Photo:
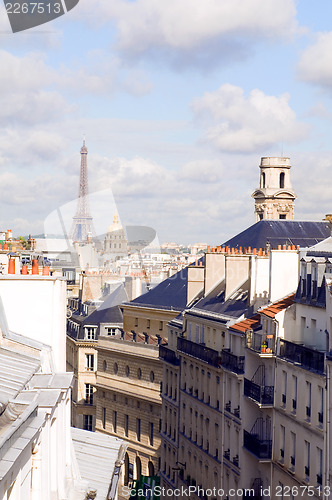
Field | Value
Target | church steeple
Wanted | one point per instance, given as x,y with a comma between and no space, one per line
274,199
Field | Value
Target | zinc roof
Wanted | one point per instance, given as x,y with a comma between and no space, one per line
96,456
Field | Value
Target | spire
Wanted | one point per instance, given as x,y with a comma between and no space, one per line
82,221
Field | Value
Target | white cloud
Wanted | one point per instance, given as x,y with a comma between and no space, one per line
314,65
192,31
238,123
188,23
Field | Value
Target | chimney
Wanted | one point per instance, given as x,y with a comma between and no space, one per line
195,281
214,270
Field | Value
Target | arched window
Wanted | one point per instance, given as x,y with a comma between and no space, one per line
138,468
282,180
263,180
150,469
126,469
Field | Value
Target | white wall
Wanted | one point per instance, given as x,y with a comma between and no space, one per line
35,306
284,273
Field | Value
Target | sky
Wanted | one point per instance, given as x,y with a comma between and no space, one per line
178,101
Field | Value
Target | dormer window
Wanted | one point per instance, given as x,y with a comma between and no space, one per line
90,332
303,279
314,277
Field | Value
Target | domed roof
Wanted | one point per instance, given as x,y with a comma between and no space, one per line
116,226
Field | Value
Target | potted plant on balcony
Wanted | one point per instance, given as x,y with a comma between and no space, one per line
264,346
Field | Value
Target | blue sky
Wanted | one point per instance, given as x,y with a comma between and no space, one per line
178,102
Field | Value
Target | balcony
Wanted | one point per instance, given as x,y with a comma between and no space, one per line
232,362
262,343
199,351
264,395
258,441
168,355
307,358
262,448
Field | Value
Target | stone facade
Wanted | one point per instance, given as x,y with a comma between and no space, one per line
128,401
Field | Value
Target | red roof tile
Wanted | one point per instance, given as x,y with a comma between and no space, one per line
276,307
247,324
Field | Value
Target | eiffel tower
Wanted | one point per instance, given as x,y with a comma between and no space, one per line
82,226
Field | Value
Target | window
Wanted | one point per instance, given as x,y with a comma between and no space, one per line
115,420
126,425
307,458
294,401
90,332
115,368
136,321
104,365
282,442
89,362
308,407
138,429
160,325
104,418
284,385
148,323
202,334
151,433
88,394
151,376
110,330
321,406
282,180
293,449
263,180
139,374
87,422
127,371
319,466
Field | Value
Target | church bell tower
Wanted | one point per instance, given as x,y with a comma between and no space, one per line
274,199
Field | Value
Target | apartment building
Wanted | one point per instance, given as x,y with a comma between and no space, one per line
128,400
246,388
86,323
204,364
40,456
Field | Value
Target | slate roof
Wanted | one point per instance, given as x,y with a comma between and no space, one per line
234,306
172,292
169,294
281,232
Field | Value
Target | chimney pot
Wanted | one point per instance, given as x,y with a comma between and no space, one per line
35,267
254,251
46,271
11,266
24,269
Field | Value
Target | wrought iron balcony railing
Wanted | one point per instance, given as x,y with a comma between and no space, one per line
307,358
262,448
199,351
232,362
168,355
264,395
